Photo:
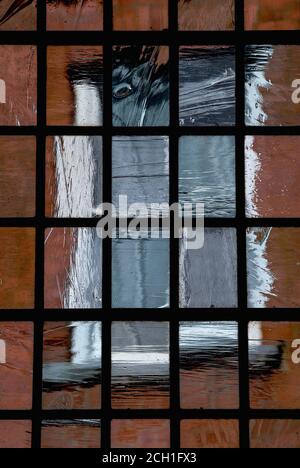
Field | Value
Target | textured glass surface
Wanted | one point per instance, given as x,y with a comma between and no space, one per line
140,365
270,73
209,365
273,265
72,365
206,85
73,268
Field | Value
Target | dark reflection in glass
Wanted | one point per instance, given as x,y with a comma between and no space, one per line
73,176
73,268
140,365
140,433
207,85
270,74
209,433
16,365
15,434
209,365
275,433
74,15
208,276
140,15
140,170
273,265
18,15
274,371
74,85
140,86
207,173
140,273
17,268
206,15
272,14
17,176
76,433
72,365
18,85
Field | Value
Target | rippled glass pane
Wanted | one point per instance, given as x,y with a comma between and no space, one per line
74,85
209,433
18,15
275,433
18,97
272,176
140,433
274,369
270,73
273,265
74,15
72,365
209,374
73,268
206,15
17,176
140,170
140,365
17,267
15,434
140,273
207,85
272,14
140,86
140,15
208,276
16,365
207,173
73,176
76,433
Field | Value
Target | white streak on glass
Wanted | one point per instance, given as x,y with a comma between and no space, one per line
255,82
85,342
78,173
88,108
260,277
84,289
253,166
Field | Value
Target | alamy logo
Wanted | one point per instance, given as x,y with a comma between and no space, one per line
144,221
2,352
2,92
296,93
296,353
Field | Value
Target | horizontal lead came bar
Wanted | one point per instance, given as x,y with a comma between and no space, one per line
92,222
149,37
164,131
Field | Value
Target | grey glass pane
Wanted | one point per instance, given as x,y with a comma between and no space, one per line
208,276
207,85
140,273
140,170
207,173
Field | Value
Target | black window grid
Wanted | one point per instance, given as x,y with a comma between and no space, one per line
242,314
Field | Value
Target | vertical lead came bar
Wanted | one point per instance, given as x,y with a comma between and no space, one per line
40,223
107,194
174,245
241,229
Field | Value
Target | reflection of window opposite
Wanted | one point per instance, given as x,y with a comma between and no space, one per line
86,80
2,352
2,92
